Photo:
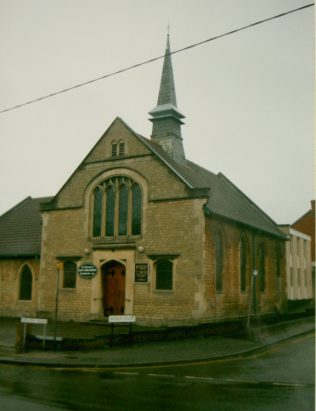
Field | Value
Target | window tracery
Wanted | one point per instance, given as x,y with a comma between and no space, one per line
117,208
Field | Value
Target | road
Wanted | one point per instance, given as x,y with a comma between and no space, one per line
279,378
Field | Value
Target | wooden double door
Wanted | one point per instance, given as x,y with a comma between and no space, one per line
113,286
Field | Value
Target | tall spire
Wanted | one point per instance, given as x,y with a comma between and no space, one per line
167,92
166,117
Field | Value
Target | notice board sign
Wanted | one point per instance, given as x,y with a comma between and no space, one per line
87,270
141,272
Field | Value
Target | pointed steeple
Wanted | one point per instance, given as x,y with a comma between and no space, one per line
166,117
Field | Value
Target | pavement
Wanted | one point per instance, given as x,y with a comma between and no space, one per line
188,350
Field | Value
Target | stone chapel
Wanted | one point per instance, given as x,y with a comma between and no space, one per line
139,229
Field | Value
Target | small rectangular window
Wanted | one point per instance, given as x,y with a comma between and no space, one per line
164,275
70,274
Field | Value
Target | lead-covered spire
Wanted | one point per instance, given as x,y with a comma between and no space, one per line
166,117
167,92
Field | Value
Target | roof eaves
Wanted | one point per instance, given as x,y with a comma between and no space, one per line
278,233
22,255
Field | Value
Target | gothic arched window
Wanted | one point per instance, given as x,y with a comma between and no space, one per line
261,265
278,269
110,210
136,209
123,209
97,212
26,282
117,208
242,264
218,243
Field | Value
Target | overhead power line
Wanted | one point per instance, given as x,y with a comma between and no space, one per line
228,33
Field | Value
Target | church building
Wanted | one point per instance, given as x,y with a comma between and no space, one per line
139,229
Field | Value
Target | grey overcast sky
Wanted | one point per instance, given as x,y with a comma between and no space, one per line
248,98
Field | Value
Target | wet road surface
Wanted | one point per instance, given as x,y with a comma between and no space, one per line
279,378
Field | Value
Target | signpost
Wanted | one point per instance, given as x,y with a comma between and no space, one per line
121,320
26,321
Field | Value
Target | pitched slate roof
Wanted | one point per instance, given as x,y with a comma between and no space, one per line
224,199
21,228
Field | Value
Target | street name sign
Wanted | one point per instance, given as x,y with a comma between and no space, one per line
122,318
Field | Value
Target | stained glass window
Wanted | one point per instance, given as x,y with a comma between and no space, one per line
117,208
136,209
123,210
110,210
97,212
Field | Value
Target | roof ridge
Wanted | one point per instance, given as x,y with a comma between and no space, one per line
303,215
16,206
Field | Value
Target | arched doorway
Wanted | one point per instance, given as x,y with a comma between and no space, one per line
113,286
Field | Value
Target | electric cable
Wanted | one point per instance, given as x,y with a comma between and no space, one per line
156,58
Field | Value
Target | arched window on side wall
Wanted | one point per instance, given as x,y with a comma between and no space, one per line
218,243
242,264
278,269
26,283
261,265
70,274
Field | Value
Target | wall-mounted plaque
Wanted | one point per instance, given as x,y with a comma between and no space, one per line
141,273
87,270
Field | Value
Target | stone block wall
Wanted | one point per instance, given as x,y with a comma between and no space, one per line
232,301
11,305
